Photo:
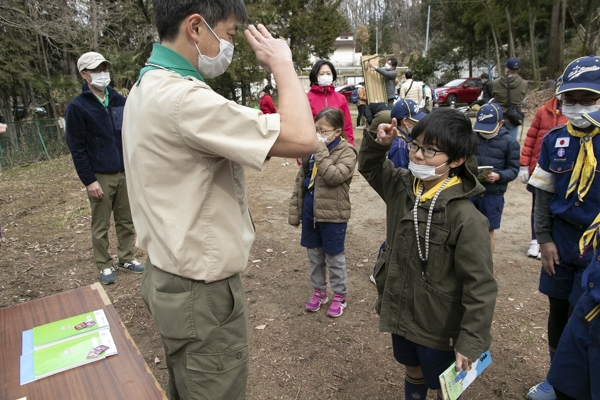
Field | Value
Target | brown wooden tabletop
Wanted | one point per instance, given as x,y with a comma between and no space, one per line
122,376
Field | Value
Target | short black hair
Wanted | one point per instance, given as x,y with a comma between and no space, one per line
268,88
485,76
393,61
315,70
408,74
333,116
169,14
450,131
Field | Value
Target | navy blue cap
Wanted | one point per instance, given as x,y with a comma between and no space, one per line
406,108
593,117
581,74
513,63
488,118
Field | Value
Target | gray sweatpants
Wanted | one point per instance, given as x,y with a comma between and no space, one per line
320,262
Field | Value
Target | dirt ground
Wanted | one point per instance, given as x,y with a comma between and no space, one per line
46,249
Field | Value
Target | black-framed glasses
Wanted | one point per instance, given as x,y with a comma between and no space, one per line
428,152
320,132
583,102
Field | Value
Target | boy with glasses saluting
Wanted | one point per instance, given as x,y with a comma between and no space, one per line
434,279
567,199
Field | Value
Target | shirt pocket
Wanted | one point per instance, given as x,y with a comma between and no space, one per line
117,116
438,257
561,167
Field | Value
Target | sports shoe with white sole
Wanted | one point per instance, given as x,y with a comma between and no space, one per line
542,391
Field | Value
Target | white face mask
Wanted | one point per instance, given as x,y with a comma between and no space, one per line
575,113
100,80
325,80
425,172
325,138
488,135
213,67
387,66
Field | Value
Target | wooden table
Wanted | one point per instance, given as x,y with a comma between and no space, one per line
122,376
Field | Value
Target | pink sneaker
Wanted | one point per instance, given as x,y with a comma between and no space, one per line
318,298
337,306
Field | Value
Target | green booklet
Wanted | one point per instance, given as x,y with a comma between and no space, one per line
455,382
66,354
68,327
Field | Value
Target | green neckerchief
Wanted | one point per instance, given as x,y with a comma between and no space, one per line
105,101
164,58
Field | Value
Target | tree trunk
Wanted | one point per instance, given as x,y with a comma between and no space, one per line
496,40
555,55
591,29
534,67
94,15
511,42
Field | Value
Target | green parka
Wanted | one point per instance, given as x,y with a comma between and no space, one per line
335,168
453,308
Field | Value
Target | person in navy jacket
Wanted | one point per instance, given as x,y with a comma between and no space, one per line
499,150
567,198
93,131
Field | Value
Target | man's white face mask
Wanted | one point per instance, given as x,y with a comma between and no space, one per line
213,67
100,80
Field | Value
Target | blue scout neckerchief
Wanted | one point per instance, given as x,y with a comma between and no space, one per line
166,59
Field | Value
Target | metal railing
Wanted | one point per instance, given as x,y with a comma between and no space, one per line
26,142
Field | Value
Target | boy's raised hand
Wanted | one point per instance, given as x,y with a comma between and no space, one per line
386,133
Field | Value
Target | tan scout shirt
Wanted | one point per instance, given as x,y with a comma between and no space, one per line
185,148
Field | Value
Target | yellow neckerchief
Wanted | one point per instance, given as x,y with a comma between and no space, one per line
455,180
314,169
585,166
590,236
402,135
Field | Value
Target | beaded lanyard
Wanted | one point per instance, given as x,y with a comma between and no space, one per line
424,273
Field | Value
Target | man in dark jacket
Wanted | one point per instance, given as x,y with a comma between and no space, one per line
93,127
518,91
486,92
498,160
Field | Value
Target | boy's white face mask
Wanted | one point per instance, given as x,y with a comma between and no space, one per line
575,113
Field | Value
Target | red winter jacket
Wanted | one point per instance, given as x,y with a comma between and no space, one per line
266,105
546,117
320,97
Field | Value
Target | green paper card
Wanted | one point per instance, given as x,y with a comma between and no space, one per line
57,331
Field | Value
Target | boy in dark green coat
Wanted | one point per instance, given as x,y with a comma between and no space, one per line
436,294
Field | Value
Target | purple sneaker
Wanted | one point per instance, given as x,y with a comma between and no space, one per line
316,300
337,306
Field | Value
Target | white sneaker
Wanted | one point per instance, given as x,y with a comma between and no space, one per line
372,279
534,249
539,256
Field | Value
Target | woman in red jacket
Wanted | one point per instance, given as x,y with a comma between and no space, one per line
547,117
322,94
266,102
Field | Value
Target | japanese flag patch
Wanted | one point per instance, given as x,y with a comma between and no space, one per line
562,142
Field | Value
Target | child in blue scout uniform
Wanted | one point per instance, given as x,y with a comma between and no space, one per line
500,150
567,198
575,370
435,279
407,114
321,201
